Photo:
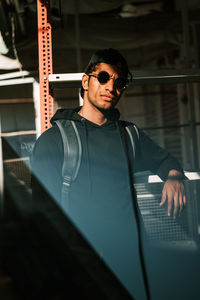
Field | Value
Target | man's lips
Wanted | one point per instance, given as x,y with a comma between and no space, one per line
107,98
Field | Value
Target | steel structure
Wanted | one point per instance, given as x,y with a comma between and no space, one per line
139,78
45,62
48,80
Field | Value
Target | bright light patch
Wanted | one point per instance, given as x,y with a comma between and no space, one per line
3,48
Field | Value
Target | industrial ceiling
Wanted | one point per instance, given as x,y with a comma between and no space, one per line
148,33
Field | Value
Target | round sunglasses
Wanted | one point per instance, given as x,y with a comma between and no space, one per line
103,77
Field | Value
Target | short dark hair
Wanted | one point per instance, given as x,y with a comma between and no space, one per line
109,56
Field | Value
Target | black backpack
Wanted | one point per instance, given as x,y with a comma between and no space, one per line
73,151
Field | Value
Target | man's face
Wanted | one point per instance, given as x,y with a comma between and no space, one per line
102,96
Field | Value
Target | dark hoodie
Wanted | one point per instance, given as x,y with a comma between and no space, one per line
100,198
103,159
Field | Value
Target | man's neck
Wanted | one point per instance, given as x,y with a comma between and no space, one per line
94,115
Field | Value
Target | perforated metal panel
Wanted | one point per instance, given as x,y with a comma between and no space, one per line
45,62
158,225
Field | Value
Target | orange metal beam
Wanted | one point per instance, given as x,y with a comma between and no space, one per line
45,62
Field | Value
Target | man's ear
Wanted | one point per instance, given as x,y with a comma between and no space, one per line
85,82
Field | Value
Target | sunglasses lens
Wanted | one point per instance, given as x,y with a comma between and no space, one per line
120,83
103,77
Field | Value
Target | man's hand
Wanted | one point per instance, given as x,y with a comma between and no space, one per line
174,192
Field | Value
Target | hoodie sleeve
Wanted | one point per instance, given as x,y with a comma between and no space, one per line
150,156
46,164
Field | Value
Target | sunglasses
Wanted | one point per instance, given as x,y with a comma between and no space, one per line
103,77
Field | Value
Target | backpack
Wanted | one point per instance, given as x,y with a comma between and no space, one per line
72,150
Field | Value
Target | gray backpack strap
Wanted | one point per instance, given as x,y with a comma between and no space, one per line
72,156
133,135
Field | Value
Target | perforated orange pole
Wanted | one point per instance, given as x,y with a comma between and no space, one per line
45,62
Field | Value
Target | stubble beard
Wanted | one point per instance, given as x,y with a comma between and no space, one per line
104,106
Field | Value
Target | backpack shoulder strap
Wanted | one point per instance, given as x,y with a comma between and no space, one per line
72,155
72,148
133,135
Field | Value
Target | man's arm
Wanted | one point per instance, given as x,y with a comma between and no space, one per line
46,164
152,157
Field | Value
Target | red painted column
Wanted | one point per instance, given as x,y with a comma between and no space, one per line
45,62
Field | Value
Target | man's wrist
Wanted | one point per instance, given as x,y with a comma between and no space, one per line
175,175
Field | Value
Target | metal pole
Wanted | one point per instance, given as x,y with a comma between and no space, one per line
78,46
190,91
36,99
45,62
1,176
195,30
77,34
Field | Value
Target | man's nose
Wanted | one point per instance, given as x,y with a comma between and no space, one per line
110,84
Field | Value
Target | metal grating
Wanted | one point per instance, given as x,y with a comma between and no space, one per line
158,225
20,169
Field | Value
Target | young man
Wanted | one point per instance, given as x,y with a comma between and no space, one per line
100,198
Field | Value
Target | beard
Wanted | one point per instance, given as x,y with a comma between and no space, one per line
110,113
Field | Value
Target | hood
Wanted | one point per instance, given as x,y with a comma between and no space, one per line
67,114
72,114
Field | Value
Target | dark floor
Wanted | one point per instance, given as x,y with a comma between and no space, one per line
7,289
